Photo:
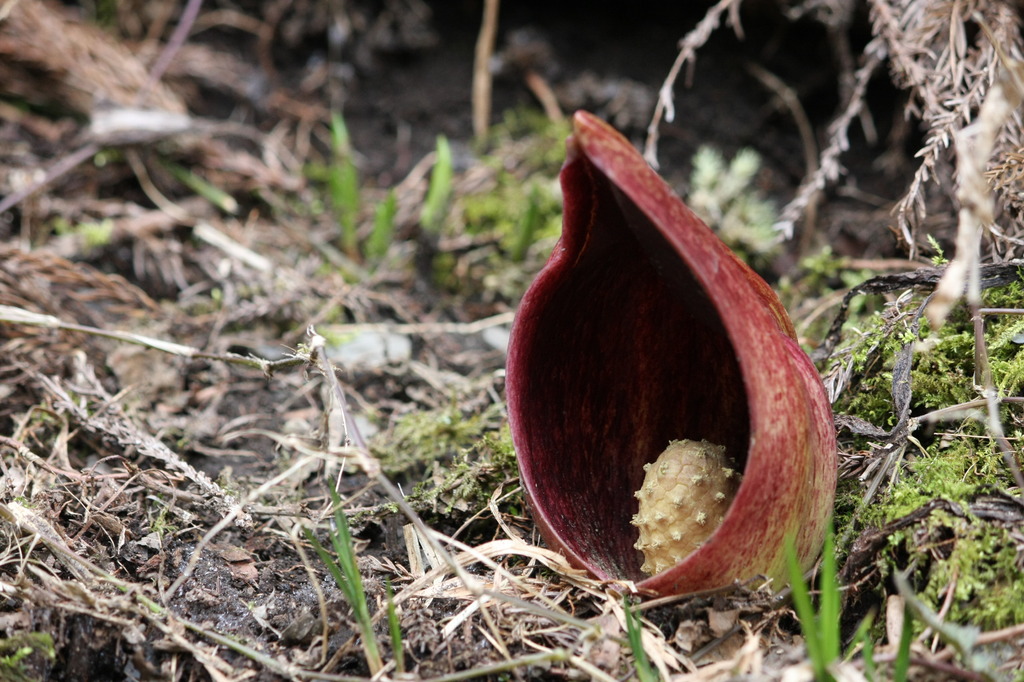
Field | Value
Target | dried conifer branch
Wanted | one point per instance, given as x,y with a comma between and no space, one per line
945,76
112,423
975,145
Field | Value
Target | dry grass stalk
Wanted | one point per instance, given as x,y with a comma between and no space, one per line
482,69
828,168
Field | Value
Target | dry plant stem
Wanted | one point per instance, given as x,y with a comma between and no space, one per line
592,670
177,39
974,147
990,637
112,423
551,656
14,315
688,46
828,168
176,212
982,370
548,612
85,572
339,431
175,124
67,164
953,672
482,69
810,145
21,450
544,94
1001,311
481,555
788,97
208,233
424,328
32,525
947,604
992,401
958,411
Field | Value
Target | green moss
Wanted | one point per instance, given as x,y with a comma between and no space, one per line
848,497
21,649
953,460
978,561
500,211
821,276
541,141
514,211
872,354
943,372
93,235
989,584
467,482
725,195
957,471
527,153
943,375
473,476
420,439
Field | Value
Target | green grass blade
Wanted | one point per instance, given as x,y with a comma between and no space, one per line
344,547
344,568
528,226
395,628
332,565
435,206
862,638
830,602
869,652
216,196
644,671
343,185
805,613
901,666
383,227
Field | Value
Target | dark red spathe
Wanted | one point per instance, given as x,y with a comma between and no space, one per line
642,328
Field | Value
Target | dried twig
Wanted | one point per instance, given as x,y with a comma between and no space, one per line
688,46
828,167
